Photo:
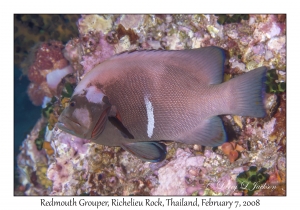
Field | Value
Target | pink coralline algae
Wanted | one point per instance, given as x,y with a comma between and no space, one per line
73,53
197,175
177,184
78,144
70,160
60,173
96,50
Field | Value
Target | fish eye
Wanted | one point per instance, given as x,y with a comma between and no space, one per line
72,104
105,100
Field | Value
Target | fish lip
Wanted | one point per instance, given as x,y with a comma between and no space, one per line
72,121
64,128
62,125
61,120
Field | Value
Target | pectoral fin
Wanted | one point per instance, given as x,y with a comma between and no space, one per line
119,125
209,133
147,151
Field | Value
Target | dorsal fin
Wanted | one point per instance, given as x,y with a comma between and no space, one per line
126,52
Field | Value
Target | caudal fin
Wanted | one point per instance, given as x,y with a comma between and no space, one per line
248,93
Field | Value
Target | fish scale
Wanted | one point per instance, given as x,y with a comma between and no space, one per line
133,107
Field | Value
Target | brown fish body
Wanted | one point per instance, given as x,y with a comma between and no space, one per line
174,95
180,93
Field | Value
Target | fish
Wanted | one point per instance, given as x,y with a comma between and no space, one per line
137,100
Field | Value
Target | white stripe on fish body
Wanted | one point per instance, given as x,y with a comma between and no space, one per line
93,94
150,115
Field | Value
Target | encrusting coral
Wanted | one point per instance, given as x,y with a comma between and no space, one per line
252,179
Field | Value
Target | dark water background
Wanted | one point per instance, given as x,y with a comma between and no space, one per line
25,113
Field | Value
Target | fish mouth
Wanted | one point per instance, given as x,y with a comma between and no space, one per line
66,124
63,127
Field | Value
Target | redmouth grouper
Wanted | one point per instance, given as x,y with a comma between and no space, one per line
136,99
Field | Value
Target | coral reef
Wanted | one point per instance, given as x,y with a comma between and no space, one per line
32,165
80,167
72,52
225,19
95,50
32,29
185,166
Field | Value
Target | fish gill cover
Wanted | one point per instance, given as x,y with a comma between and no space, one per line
57,163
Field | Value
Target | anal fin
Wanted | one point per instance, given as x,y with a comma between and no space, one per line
147,151
209,133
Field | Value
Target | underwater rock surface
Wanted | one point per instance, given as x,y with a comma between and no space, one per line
79,167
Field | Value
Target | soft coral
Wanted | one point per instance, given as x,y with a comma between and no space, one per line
48,57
